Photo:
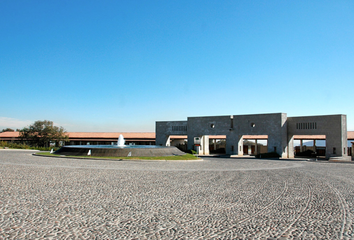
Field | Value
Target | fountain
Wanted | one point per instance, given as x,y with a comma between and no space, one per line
121,141
119,150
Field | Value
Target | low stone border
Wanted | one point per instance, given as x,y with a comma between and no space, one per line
118,159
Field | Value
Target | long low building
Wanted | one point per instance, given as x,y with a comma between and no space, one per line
149,138
94,138
144,138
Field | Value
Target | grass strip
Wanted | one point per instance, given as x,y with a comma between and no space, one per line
182,157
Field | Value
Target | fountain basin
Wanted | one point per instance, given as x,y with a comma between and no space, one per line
119,151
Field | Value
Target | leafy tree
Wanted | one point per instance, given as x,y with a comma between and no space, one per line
7,130
41,133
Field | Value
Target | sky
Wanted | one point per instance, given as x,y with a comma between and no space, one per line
119,66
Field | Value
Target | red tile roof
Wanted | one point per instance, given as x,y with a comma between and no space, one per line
350,135
151,135
126,135
9,134
93,134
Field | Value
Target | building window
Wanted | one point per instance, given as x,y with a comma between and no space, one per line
307,125
179,128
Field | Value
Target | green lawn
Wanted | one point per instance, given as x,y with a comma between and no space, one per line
183,157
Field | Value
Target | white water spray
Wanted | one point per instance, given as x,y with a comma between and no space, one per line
121,141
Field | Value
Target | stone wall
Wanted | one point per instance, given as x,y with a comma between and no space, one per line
333,126
277,126
164,129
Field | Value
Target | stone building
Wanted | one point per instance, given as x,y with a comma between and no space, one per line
279,129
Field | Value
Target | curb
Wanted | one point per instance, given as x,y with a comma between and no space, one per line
15,149
118,159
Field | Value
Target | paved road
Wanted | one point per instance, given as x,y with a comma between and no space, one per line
55,198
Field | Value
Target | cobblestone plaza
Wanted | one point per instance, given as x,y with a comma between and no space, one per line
218,198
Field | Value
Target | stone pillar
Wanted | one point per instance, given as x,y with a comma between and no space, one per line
314,146
301,144
190,142
336,147
205,141
256,147
162,140
278,144
204,146
291,147
239,149
229,147
337,141
234,144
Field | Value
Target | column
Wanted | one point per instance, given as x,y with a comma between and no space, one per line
205,141
230,145
168,141
203,149
190,142
239,149
291,150
162,140
276,144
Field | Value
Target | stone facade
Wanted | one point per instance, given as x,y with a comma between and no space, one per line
279,128
333,126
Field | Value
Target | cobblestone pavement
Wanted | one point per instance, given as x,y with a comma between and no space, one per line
54,198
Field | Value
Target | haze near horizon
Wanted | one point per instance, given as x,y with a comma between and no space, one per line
114,66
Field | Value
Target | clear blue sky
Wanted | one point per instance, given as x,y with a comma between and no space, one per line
122,65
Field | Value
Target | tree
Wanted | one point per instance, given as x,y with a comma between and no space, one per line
41,133
7,130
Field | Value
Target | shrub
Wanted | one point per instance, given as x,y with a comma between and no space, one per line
25,146
307,153
14,145
191,152
268,155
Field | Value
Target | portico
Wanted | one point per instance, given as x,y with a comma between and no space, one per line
279,129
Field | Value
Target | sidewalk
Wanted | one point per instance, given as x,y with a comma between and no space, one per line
13,149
